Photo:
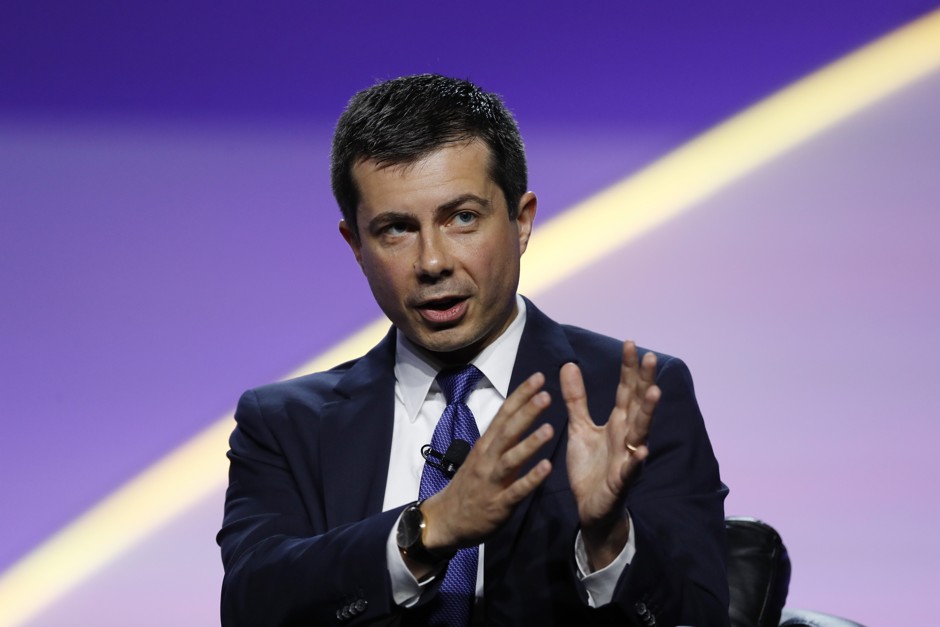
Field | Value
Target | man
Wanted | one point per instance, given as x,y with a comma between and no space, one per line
592,494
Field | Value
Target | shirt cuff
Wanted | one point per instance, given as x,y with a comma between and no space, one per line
600,584
406,589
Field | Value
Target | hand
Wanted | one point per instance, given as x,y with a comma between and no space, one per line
602,459
486,489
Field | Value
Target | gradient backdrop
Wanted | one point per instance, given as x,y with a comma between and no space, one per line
168,239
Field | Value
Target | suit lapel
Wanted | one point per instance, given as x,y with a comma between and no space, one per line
544,348
356,437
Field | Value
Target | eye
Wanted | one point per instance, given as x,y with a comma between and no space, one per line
395,228
464,218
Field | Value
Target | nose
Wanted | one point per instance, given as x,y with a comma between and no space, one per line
434,259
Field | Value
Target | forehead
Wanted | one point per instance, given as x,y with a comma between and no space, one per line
454,169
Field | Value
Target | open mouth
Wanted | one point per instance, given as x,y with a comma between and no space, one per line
444,310
441,305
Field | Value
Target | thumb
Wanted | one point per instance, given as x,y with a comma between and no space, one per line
572,390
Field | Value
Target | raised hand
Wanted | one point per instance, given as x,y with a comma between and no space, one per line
486,489
601,459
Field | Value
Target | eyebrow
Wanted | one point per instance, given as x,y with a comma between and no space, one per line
459,200
389,217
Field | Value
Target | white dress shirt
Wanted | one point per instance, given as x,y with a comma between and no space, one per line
419,403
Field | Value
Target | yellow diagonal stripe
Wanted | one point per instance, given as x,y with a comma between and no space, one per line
674,184
561,248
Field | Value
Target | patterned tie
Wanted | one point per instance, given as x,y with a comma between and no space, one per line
458,589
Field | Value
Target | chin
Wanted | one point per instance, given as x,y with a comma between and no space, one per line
445,341
442,345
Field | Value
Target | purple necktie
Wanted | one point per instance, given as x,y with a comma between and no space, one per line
458,590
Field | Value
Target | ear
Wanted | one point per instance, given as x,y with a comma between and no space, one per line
525,217
352,239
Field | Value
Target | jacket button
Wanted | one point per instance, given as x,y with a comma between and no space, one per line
361,605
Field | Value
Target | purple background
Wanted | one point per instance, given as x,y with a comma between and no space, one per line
169,239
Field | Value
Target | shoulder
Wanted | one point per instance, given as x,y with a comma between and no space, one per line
591,350
342,381
290,410
591,343
602,351
311,390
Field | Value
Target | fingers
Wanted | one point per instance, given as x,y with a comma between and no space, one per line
516,456
650,399
637,394
505,454
647,389
634,376
524,486
516,415
522,394
639,418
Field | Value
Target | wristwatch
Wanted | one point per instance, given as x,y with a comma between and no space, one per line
410,536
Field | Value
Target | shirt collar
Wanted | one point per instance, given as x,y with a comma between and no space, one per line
415,374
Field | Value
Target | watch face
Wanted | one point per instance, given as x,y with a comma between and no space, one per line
409,528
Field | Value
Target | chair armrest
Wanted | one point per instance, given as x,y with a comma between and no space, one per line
758,572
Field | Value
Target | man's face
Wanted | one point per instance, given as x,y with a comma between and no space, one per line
439,249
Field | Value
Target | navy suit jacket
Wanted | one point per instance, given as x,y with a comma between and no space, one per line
304,536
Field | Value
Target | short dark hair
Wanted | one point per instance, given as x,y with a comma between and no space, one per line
402,120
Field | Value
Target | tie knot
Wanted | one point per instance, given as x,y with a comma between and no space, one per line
457,383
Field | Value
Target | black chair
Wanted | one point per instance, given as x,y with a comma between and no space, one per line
759,578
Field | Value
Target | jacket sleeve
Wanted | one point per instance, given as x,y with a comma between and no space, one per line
282,565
